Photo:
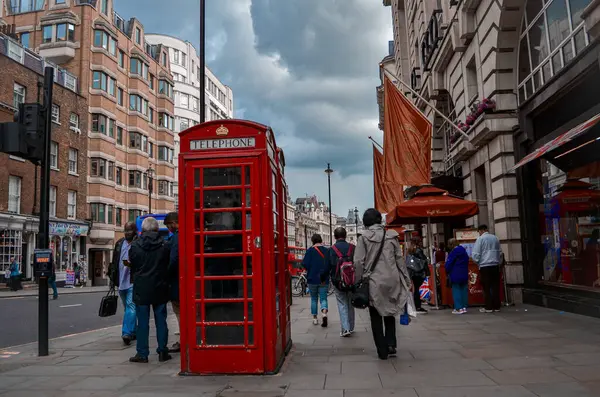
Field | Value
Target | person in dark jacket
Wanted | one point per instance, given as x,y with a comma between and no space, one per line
316,263
149,261
172,223
345,307
121,278
416,250
457,268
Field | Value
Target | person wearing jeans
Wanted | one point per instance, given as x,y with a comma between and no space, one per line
316,263
457,268
149,261
52,283
122,278
488,255
340,251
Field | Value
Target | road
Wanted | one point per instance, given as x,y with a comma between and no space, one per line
69,314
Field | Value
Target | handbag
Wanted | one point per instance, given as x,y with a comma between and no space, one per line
108,304
360,296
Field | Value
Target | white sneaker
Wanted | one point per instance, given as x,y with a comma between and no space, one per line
463,310
457,311
483,310
315,321
345,334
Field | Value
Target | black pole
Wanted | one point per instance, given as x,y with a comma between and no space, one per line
149,193
44,231
329,171
356,222
202,62
305,237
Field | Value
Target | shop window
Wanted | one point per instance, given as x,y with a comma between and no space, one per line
14,194
11,243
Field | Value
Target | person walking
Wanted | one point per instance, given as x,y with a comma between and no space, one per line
172,223
316,263
149,261
418,269
488,256
341,255
457,268
15,275
121,277
52,282
389,281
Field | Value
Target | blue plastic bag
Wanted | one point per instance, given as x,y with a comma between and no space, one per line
405,318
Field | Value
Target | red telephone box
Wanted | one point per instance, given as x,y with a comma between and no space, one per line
234,284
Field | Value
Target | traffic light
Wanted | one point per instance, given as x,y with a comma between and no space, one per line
25,137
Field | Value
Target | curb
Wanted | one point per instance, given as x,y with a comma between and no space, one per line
77,292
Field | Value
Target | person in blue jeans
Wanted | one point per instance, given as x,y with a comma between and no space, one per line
122,278
52,283
149,261
316,263
457,268
340,251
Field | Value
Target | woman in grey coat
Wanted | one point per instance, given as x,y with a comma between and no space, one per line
389,282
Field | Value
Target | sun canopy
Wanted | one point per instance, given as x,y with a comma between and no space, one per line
431,203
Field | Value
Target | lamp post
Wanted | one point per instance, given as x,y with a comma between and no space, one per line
150,175
202,62
329,171
356,222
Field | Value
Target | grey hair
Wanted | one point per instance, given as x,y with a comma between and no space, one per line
452,243
150,225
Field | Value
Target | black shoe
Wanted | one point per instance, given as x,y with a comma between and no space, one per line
383,357
176,348
421,310
126,340
392,351
138,359
164,356
324,322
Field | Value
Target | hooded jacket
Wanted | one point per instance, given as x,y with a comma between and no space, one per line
389,282
149,258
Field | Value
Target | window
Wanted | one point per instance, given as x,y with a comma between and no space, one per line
120,95
133,214
72,204
135,140
165,88
135,179
106,41
104,7
103,125
184,124
65,32
98,167
166,121
97,211
52,200
184,100
25,39
138,68
138,36
119,135
164,59
118,216
53,155
163,188
138,104
119,176
165,153
73,161
55,113
18,95
74,120
175,56
47,33
111,171
101,81
195,104
121,59
151,81
151,115
59,1
14,194
151,150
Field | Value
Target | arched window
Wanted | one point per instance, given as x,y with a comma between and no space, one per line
552,34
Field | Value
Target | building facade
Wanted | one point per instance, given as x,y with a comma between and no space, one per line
353,225
22,69
318,212
512,75
186,73
291,222
130,121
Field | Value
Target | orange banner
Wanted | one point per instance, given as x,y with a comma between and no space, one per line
407,140
387,195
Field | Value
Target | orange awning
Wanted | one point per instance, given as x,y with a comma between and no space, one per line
432,203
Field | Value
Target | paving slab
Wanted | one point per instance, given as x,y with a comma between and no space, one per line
475,391
527,376
562,390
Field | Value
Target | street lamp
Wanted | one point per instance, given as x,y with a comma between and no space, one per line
329,171
150,174
356,222
202,61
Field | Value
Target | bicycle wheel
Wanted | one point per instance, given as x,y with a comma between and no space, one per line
297,287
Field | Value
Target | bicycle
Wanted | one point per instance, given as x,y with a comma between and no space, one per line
300,286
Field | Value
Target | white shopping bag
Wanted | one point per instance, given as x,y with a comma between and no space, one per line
410,306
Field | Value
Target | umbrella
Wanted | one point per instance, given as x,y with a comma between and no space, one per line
431,203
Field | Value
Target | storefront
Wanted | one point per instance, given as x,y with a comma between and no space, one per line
558,173
67,241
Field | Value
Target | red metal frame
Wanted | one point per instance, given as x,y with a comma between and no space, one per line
212,323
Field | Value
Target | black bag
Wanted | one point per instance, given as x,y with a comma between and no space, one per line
360,296
416,265
108,305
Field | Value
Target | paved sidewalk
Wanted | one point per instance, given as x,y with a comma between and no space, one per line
61,291
521,352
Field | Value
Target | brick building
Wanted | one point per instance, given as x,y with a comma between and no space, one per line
130,118
19,179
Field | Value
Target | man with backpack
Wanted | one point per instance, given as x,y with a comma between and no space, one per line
341,270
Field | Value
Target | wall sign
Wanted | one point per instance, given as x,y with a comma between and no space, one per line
228,143
68,229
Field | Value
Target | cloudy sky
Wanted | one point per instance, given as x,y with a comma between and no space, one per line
307,68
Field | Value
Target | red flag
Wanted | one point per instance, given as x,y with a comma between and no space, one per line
387,195
407,140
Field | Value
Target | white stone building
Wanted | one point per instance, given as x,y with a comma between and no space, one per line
291,222
184,67
318,212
